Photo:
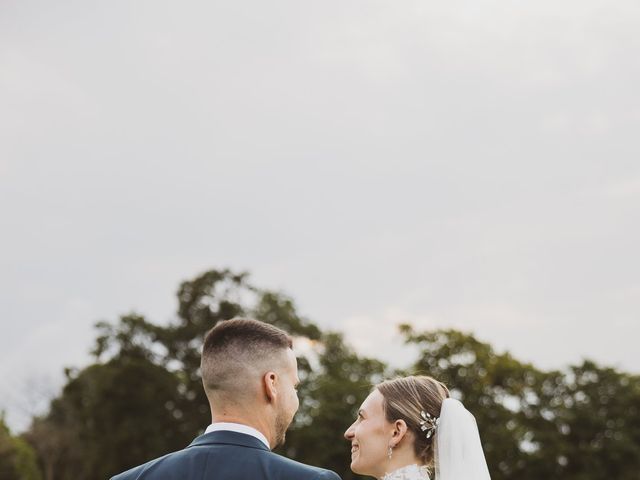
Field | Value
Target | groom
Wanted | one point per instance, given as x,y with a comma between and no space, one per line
250,374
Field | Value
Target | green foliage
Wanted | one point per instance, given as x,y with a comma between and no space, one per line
143,397
211,297
330,396
596,415
113,416
580,424
496,388
17,458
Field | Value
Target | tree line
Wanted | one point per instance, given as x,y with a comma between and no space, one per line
142,397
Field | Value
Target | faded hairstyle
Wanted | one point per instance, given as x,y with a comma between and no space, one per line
405,398
238,352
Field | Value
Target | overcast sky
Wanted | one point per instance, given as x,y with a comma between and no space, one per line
466,164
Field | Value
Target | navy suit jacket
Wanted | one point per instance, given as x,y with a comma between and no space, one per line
225,455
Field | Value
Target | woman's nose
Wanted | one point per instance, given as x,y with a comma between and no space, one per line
349,433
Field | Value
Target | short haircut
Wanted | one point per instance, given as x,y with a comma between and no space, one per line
237,352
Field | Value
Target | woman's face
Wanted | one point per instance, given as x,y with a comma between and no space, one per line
370,437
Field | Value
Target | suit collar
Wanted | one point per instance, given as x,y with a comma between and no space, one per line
238,427
225,437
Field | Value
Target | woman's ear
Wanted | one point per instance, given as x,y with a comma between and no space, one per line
399,431
269,382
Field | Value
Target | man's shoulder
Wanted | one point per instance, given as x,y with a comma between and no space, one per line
138,472
192,463
134,472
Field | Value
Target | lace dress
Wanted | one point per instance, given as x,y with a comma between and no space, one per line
410,472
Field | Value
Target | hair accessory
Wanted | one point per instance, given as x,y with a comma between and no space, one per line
428,424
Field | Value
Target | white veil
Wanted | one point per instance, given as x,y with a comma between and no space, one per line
458,451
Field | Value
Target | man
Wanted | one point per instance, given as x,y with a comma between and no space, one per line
250,374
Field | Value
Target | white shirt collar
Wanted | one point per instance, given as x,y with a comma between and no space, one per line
239,428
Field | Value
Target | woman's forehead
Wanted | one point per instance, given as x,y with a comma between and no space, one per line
373,403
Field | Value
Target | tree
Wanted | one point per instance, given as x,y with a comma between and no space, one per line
578,424
596,417
330,396
214,296
111,417
17,458
143,397
497,389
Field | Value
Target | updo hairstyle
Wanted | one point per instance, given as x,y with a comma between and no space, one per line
405,398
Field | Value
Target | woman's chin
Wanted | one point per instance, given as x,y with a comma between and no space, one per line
355,468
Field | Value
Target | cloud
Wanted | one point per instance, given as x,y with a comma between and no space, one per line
468,164
378,336
625,189
32,364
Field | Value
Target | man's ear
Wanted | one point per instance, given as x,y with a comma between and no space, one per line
399,431
270,381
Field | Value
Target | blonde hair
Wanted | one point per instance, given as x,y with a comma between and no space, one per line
405,398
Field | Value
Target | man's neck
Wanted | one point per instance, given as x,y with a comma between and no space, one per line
258,425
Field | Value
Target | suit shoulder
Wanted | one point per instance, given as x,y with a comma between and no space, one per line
302,470
327,475
131,474
136,472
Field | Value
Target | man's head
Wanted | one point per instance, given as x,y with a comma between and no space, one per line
249,371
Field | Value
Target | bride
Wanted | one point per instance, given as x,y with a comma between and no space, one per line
410,427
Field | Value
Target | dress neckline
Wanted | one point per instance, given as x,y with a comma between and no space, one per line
409,472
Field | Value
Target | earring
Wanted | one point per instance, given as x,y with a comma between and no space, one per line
389,452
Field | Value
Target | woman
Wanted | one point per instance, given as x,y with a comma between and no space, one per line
409,427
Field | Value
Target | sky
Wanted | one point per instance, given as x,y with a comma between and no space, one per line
460,164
